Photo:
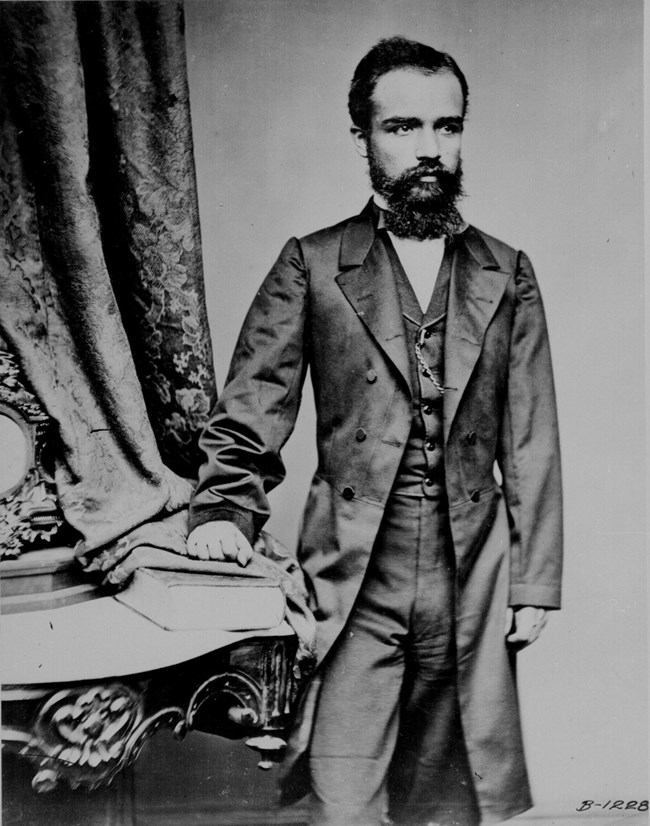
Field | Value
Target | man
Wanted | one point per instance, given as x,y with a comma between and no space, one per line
429,360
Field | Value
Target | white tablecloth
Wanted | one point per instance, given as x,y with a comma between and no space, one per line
99,639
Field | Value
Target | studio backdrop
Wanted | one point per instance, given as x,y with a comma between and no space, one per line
553,163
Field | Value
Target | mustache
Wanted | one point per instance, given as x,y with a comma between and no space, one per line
423,170
445,184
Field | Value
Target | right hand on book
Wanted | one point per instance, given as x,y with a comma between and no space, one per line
219,540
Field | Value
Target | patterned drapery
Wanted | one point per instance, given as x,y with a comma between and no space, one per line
101,283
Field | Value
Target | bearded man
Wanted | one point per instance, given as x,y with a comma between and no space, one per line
427,567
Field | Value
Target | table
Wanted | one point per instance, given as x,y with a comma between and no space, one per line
84,686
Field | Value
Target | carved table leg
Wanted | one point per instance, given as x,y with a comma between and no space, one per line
84,736
108,806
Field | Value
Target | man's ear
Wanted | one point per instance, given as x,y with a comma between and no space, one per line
360,141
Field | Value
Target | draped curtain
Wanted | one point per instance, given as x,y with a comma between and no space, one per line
101,283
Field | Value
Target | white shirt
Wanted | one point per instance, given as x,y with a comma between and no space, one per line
420,259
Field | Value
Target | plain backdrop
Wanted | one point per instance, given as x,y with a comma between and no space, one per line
553,159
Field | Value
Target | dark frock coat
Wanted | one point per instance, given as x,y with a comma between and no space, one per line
329,304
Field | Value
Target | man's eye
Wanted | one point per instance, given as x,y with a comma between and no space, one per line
402,129
450,129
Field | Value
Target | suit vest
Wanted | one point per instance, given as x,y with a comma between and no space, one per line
421,472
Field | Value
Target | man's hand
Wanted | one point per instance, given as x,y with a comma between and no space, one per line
219,540
524,625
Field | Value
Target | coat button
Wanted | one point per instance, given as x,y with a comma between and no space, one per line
475,495
471,437
360,435
348,492
371,376
427,409
431,445
428,481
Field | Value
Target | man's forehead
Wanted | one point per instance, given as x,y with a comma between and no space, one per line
413,92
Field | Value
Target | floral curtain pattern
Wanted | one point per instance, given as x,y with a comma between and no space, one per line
101,283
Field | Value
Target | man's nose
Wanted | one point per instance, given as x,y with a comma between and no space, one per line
428,145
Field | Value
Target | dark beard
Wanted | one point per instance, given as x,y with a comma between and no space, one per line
416,208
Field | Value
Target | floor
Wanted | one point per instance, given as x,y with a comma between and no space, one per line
533,818
208,782
539,817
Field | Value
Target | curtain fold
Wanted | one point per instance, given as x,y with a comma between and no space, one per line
101,283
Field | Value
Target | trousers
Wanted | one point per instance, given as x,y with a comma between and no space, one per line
387,744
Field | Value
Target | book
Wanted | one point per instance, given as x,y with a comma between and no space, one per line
185,600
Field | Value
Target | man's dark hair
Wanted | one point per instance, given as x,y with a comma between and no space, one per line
389,54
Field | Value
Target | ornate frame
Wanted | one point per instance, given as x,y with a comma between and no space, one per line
29,509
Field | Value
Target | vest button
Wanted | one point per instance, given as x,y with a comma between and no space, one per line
428,481
371,377
431,445
427,409
348,492
427,333
475,495
471,437
360,435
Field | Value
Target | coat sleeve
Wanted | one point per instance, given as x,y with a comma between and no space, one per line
530,454
257,409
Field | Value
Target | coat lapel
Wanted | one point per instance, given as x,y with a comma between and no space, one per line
476,288
368,283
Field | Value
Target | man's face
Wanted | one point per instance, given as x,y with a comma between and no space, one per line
415,136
